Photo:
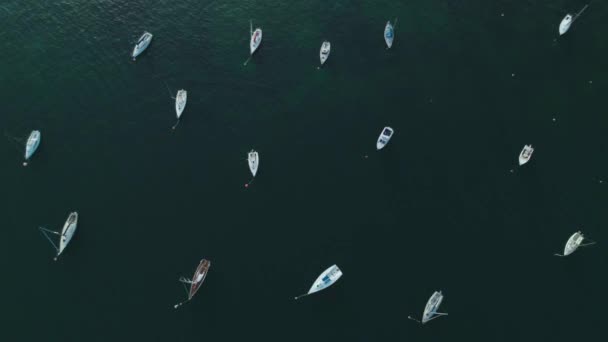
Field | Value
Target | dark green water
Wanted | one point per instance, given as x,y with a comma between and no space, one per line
436,209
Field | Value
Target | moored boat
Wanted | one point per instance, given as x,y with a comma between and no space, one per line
568,20
574,242
33,141
389,34
325,50
197,280
564,25
253,159
525,154
180,102
384,137
325,280
142,44
69,228
256,39
431,307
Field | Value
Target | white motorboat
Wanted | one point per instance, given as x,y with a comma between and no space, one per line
325,280
142,44
389,34
430,310
32,145
256,38
565,24
69,228
574,242
384,137
253,159
525,154
180,102
325,50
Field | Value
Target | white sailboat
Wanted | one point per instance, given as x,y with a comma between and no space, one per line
325,50
180,103
384,137
574,242
525,154
430,310
389,33
142,44
32,145
69,228
565,24
256,38
325,280
253,159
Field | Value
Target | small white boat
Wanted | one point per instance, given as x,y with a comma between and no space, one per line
69,228
32,145
384,138
565,24
430,310
574,242
142,44
180,102
256,38
525,154
253,159
325,50
389,34
325,280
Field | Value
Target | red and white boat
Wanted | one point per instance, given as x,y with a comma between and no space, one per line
197,280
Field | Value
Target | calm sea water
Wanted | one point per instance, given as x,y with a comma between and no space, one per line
464,88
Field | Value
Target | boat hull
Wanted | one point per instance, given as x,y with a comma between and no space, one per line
199,277
565,24
325,51
33,141
180,102
573,243
525,155
253,159
326,279
385,136
256,40
432,306
69,228
389,34
142,45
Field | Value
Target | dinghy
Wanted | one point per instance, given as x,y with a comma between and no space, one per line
389,34
384,137
525,154
256,38
325,50
430,310
565,24
180,102
142,44
325,280
253,159
69,228
197,280
574,242
32,145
